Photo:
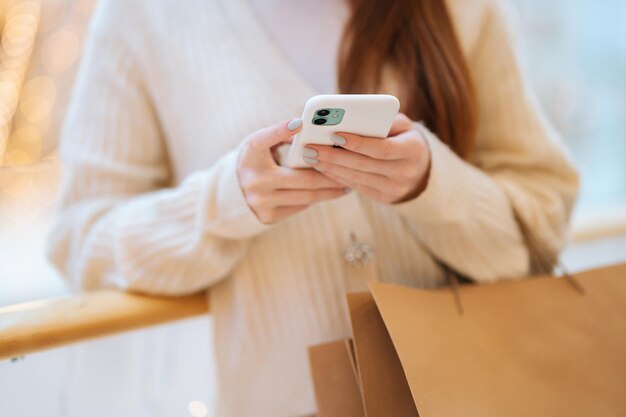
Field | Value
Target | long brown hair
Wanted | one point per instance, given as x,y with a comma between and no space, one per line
416,40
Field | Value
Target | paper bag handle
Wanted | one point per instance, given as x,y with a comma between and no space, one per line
540,258
536,255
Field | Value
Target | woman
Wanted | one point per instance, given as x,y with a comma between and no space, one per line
172,188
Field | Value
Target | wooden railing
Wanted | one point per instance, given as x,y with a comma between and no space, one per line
39,325
600,224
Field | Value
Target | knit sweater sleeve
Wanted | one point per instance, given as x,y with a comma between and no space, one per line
477,216
119,226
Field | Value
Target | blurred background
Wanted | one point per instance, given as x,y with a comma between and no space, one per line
574,52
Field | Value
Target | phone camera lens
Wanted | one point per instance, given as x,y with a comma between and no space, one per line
319,121
323,112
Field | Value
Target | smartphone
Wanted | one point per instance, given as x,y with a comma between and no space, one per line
324,115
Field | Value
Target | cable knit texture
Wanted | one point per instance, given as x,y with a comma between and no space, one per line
166,94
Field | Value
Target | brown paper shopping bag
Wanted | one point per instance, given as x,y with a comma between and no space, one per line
527,348
333,367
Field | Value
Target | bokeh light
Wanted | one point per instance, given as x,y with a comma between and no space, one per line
18,157
18,38
26,147
8,91
85,7
39,52
27,134
36,108
61,49
5,113
43,86
53,14
4,134
197,409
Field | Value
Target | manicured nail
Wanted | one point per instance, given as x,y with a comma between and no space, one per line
309,153
338,140
310,161
294,124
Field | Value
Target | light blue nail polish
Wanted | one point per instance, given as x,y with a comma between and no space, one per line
294,124
310,161
338,140
308,152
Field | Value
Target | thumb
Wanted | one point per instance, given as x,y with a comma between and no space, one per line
263,140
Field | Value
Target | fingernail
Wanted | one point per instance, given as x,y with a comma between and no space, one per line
347,190
338,140
294,124
309,153
310,161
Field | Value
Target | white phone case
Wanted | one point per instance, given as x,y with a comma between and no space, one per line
365,114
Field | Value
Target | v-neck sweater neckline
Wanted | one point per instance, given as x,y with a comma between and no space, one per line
271,62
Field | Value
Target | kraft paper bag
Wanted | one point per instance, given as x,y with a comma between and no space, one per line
383,384
344,388
535,347
333,368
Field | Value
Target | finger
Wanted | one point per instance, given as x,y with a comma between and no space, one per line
373,193
277,151
280,178
400,124
263,141
303,197
287,141
280,213
355,176
304,179
377,148
350,159
281,132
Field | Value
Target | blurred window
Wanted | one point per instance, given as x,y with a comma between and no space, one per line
575,54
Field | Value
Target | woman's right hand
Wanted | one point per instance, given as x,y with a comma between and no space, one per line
274,192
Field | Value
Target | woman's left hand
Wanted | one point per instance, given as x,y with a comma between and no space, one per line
390,170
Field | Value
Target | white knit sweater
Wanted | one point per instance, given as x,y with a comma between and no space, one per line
166,93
